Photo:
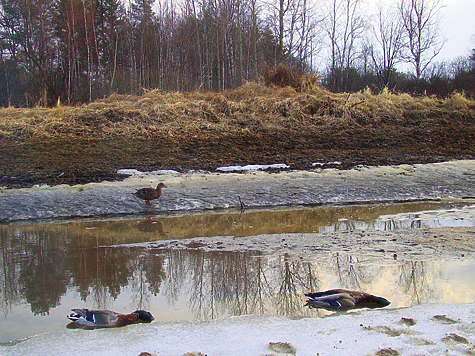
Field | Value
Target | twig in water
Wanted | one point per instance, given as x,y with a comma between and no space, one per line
241,202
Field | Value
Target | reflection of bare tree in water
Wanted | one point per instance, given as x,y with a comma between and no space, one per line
199,296
285,297
153,265
311,282
100,272
178,267
349,275
9,294
138,283
43,276
294,276
414,282
221,282
147,277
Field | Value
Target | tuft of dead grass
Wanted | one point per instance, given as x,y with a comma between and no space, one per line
253,108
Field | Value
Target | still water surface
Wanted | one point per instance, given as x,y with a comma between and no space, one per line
49,268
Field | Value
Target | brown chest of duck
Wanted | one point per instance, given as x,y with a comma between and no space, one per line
148,194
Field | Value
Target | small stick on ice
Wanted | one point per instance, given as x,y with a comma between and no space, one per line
241,202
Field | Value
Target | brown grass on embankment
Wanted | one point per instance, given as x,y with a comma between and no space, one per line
253,108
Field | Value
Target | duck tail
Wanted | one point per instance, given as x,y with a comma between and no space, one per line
81,313
73,317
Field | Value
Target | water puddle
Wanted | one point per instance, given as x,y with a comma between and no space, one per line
49,268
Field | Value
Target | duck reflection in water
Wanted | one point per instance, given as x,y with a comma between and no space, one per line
150,225
342,300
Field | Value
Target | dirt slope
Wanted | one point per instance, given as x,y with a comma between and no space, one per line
250,125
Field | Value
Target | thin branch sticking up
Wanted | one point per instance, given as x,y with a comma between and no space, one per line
243,206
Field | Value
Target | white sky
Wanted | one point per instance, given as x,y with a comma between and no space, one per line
458,24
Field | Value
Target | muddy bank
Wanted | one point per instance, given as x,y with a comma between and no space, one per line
253,124
205,191
81,161
375,246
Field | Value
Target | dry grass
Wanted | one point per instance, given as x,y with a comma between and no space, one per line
253,108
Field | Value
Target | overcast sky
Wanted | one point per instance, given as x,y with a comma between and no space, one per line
459,27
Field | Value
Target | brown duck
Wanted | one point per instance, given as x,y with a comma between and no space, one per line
342,300
148,194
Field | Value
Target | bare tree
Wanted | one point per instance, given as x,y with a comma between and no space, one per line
302,37
388,34
423,41
279,10
331,28
345,26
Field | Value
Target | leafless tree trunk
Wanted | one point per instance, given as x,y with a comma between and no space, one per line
388,33
307,39
344,26
421,21
354,29
331,24
253,55
88,53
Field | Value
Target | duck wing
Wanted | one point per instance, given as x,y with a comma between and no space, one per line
332,302
93,318
144,192
328,293
147,194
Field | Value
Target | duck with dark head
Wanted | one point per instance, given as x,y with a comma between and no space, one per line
96,319
343,299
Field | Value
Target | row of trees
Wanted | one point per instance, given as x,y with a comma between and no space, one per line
80,50
440,79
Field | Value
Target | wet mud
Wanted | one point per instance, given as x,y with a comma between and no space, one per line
80,161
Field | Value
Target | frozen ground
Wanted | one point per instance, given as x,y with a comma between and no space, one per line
203,191
441,329
435,329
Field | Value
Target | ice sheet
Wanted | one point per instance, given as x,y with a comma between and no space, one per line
206,191
441,329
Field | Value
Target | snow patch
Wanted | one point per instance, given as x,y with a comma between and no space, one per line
321,164
409,331
135,172
252,167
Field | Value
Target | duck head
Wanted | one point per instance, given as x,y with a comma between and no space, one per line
144,316
161,185
379,302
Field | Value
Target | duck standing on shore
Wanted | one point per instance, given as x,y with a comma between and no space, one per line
148,194
96,319
343,299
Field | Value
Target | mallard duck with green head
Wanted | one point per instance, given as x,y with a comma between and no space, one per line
96,319
343,299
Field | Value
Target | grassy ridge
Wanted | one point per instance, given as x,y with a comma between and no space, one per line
253,108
